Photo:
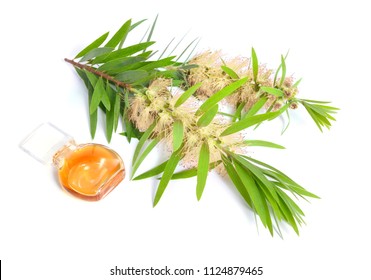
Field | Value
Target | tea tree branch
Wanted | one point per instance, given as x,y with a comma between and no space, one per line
98,73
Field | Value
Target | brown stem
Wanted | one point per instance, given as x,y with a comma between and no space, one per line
98,73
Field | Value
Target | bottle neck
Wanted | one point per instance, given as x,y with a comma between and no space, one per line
64,152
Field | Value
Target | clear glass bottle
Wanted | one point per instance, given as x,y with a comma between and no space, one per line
88,171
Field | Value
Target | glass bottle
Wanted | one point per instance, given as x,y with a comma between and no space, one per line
88,171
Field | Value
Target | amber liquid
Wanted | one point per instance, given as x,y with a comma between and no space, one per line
90,171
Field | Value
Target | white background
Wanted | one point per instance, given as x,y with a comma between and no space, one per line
47,234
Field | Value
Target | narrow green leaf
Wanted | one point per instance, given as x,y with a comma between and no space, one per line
288,215
314,117
256,107
117,64
314,101
283,176
186,48
134,25
258,173
262,143
202,169
255,65
273,91
106,100
97,96
185,95
236,181
230,72
178,134
256,198
93,79
218,96
145,153
158,63
93,45
166,177
191,53
288,122
120,35
208,116
116,111
278,69
152,29
142,140
121,53
152,172
164,51
283,75
131,76
238,113
247,122
297,83
93,119
188,173
110,113
96,52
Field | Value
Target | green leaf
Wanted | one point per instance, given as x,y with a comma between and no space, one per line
152,29
93,45
208,117
106,100
186,48
117,64
152,172
93,79
288,122
253,191
142,140
283,176
297,83
278,69
110,113
131,76
185,95
237,115
178,134
258,174
93,119
288,215
202,169
134,25
273,91
255,65
99,91
166,177
116,111
218,96
120,35
158,63
230,72
145,153
256,107
96,52
283,75
167,46
236,180
249,121
262,143
121,53
188,173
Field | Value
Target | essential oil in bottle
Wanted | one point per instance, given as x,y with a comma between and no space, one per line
88,171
